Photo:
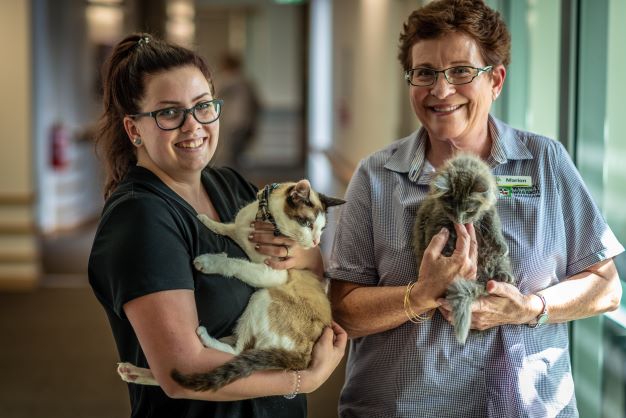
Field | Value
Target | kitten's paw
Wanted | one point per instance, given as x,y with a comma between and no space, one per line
504,277
206,263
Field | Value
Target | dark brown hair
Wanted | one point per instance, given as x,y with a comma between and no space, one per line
133,58
471,17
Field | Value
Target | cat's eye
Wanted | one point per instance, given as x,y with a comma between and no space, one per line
305,222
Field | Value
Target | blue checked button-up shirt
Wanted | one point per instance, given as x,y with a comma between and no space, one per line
553,230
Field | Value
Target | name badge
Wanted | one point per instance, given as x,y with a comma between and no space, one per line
520,186
514,181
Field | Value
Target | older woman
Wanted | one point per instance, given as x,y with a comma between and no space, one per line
455,54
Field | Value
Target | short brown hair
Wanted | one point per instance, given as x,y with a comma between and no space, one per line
133,58
471,17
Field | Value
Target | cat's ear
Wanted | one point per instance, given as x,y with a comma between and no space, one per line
441,184
480,185
301,191
328,201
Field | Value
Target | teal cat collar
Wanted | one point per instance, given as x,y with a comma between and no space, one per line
543,316
263,213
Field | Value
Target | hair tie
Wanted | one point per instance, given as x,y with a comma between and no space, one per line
143,40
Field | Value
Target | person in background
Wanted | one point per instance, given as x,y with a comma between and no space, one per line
239,125
455,55
157,135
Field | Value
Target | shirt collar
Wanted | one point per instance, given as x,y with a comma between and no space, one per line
410,155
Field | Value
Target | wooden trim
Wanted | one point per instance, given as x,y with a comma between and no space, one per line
16,198
19,257
24,228
19,284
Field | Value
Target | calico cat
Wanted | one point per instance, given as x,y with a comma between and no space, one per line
286,316
464,191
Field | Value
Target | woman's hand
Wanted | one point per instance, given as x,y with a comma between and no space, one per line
327,353
283,252
504,305
437,271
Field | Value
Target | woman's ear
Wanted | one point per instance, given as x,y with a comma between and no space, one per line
131,128
498,74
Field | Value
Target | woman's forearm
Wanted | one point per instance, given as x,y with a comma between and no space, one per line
591,292
365,310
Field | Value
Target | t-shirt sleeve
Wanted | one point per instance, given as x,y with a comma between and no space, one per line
589,238
141,248
352,257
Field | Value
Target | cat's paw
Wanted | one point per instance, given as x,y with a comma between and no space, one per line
504,277
133,374
206,263
203,334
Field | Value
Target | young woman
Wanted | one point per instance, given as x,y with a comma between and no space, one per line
157,135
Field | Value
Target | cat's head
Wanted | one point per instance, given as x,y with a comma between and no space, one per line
464,188
300,211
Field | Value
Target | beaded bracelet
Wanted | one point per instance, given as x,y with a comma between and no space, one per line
410,313
296,389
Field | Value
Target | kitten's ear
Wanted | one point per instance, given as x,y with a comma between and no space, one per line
441,184
480,186
328,201
301,191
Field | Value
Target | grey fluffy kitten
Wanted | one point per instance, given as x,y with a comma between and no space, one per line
464,191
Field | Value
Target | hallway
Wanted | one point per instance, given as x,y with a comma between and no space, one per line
58,359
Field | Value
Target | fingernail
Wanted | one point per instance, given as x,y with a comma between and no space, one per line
443,231
252,225
250,236
267,262
256,247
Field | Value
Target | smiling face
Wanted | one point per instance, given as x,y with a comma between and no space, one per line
182,153
454,114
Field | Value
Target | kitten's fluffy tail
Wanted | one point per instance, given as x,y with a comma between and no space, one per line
461,294
243,365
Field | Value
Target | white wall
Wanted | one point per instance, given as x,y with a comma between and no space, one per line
16,176
371,102
19,257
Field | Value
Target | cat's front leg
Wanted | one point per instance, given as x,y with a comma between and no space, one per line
255,274
133,374
217,227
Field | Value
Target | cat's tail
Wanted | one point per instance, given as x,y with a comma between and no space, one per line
243,365
461,294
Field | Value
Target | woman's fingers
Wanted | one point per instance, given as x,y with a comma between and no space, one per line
341,336
473,250
466,250
437,243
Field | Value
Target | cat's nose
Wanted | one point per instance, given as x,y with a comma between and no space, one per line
316,241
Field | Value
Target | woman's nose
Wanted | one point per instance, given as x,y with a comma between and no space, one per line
442,89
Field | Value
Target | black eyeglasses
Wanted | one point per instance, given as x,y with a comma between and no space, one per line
174,117
423,77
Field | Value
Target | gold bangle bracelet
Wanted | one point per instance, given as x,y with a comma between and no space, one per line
410,313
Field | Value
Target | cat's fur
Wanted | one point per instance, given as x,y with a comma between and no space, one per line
286,316
464,191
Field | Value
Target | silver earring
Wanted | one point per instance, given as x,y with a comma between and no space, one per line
137,141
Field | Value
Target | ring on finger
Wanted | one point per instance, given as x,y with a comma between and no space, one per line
286,247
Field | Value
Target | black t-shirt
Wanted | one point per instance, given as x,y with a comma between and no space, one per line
146,241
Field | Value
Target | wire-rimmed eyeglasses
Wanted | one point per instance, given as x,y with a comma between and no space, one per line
172,118
463,74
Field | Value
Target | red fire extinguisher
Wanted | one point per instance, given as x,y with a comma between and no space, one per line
59,140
